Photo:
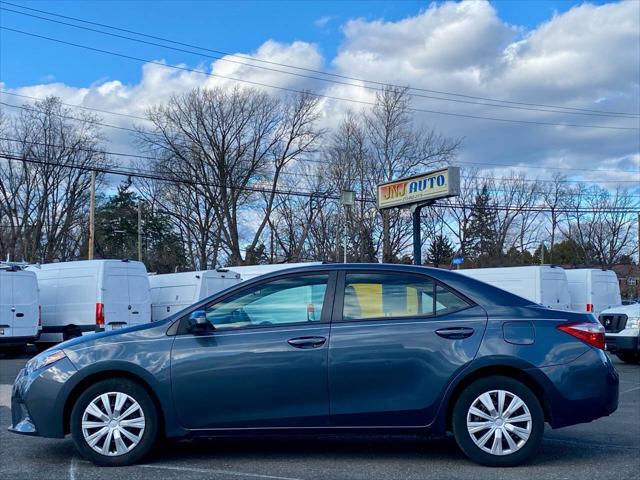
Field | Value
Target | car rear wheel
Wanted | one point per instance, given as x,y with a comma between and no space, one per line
114,423
498,422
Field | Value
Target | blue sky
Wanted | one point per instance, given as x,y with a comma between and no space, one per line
224,25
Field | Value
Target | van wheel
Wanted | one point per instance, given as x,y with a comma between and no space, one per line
71,332
114,423
498,422
42,346
629,357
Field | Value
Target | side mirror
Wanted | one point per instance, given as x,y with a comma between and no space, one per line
199,322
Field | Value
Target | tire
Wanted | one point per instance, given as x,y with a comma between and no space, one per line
523,448
42,346
144,416
71,332
629,357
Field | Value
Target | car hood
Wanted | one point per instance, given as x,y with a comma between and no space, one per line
137,332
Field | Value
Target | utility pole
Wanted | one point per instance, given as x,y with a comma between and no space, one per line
139,230
92,207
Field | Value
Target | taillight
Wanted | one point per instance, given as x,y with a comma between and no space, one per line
100,314
589,307
591,333
39,317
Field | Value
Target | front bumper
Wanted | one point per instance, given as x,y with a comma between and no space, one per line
37,400
580,391
625,341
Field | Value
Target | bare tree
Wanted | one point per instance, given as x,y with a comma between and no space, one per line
554,195
232,146
398,148
44,195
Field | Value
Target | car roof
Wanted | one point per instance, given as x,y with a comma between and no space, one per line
480,292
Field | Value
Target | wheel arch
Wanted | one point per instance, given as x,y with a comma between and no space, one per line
109,374
504,370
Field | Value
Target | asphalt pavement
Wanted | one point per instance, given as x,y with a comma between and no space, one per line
606,448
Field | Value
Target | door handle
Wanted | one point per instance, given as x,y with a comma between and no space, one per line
455,333
19,314
134,313
307,342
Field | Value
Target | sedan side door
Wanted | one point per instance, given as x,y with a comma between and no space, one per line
396,341
262,360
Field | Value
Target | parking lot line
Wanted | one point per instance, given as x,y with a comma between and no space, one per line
5,395
215,471
630,390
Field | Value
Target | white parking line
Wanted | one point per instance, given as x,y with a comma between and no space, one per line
73,466
5,395
630,390
222,472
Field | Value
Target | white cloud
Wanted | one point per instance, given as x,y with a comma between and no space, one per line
585,58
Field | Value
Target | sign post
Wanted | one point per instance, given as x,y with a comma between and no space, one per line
417,192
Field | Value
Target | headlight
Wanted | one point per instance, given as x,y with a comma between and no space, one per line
44,359
633,322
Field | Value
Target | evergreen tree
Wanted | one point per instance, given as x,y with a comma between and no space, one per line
482,236
117,232
440,251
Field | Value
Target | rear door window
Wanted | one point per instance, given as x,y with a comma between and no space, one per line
396,296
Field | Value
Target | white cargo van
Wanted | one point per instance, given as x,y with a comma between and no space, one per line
593,290
251,271
546,285
19,307
172,292
91,295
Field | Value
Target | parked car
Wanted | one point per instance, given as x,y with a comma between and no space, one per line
593,289
622,327
328,348
247,272
19,307
545,284
172,292
91,296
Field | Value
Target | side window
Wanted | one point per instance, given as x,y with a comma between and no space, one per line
388,295
279,302
448,301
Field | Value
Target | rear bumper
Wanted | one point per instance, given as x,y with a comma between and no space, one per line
19,340
580,391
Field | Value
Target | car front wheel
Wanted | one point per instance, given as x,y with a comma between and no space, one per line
114,423
498,422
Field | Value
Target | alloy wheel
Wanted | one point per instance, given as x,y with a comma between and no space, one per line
499,422
113,423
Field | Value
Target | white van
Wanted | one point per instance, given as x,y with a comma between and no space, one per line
91,295
251,271
19,307
546,285
593,290
172,292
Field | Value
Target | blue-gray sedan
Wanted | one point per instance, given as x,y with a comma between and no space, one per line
329,348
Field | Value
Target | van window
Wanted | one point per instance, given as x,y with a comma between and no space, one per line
138,289
391,295
24,290
279,302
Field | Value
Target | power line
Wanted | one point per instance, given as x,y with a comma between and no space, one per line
314,94
328,74
138,174
311,77
309,160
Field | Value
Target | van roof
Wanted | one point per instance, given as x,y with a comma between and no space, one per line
85,263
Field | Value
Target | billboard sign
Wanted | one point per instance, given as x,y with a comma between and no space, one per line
420,188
